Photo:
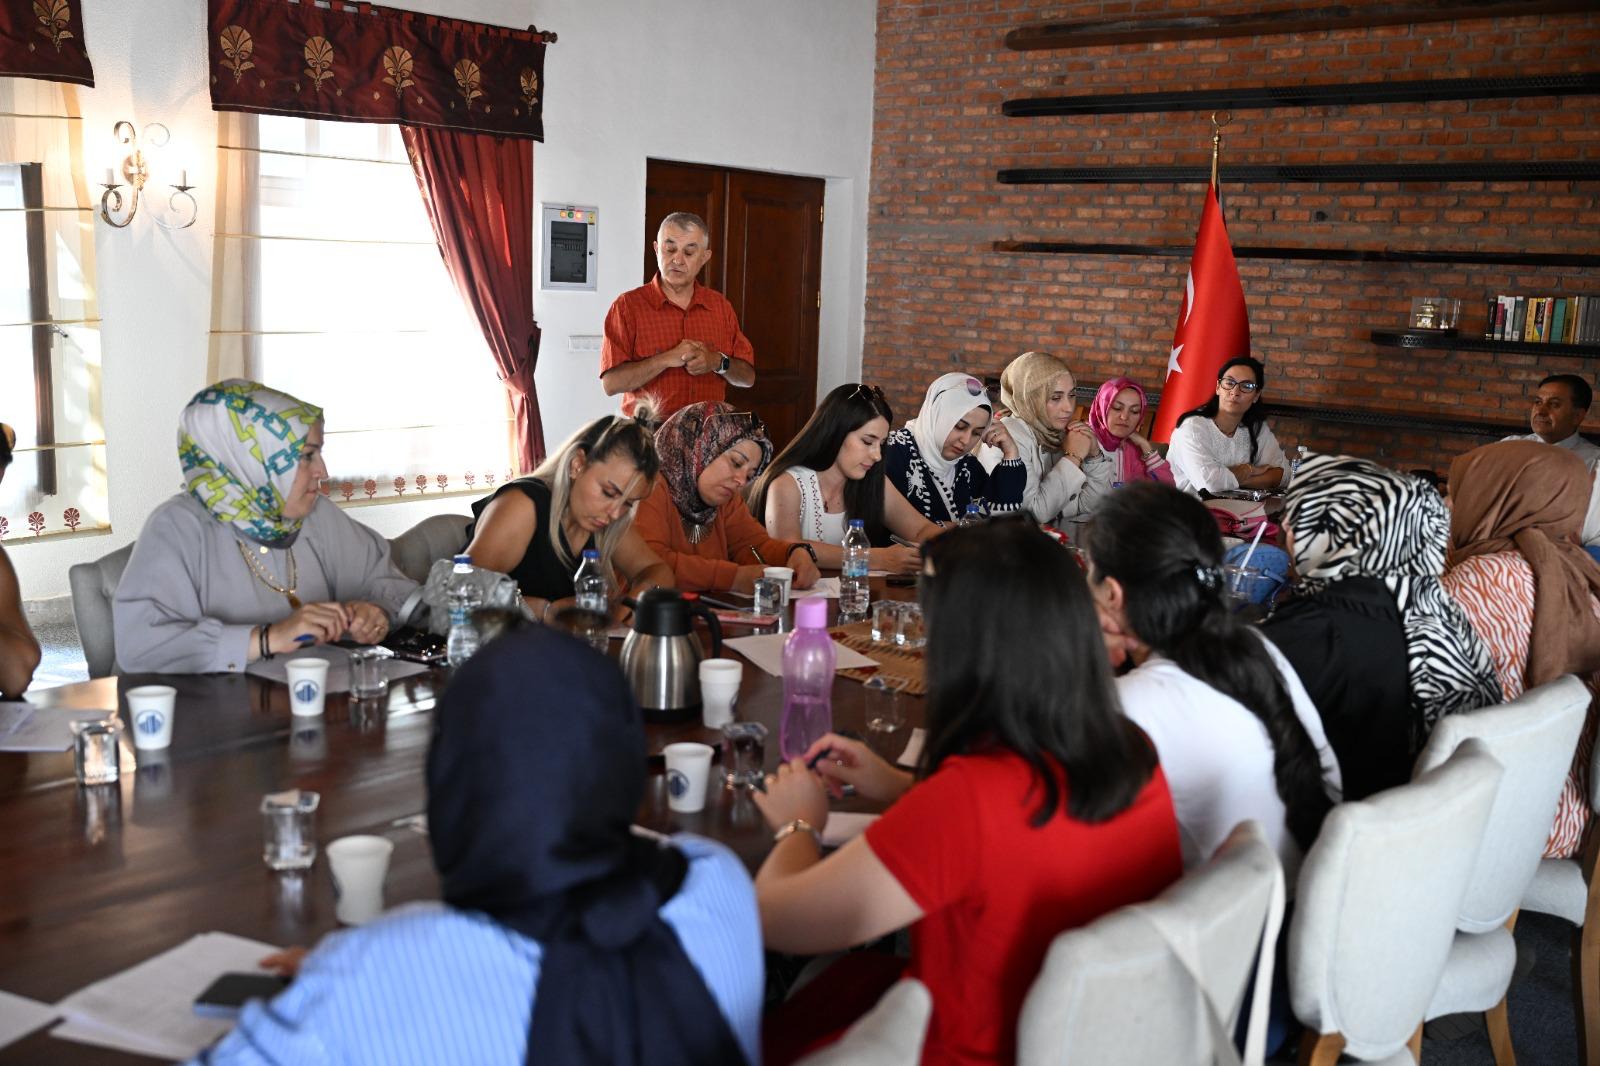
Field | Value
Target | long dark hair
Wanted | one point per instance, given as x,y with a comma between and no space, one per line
995,682
1254,418
842,412
1163,547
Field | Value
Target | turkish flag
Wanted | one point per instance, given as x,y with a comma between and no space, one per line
1212,327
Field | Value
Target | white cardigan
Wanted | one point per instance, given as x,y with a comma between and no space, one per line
1055,492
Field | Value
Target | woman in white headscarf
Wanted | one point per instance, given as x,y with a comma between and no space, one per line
930,460
251,560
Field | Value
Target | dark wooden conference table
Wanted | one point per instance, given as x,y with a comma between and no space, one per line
95,880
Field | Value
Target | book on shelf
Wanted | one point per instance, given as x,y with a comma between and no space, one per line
1542,319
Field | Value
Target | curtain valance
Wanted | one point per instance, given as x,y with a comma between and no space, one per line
363,63
44,39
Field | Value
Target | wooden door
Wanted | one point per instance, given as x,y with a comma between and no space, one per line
766,235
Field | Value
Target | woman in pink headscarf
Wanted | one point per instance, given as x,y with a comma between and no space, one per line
1114,420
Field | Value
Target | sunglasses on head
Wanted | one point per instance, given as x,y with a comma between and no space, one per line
867,392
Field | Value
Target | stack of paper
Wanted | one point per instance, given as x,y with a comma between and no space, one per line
23,728
277,669
766,651
149,1009
825,586
19,1017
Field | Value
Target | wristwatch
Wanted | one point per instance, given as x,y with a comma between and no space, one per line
722,367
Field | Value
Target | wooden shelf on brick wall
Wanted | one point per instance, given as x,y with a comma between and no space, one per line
1287,20
1262,97
1335,255
1466,342
1358,173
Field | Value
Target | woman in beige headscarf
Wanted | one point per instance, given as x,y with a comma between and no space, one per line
19,650
1038,388
1528,587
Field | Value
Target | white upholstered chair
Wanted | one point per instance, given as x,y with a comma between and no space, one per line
437,537
890,1034
1164,981
93,587
1375,912
1533,739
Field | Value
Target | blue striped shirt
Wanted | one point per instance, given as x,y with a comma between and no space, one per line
431,985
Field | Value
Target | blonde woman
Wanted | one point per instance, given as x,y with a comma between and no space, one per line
1038,389
593,482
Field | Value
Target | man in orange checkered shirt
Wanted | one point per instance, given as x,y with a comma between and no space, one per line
674,339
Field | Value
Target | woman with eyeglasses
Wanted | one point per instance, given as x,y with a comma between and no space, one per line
1037,388
831,474
696,519
1208,450
930,458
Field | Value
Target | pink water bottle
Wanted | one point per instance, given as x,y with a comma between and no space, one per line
809,659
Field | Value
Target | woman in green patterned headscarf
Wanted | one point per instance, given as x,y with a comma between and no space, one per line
251,560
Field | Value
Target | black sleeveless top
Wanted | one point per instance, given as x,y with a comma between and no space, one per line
540,572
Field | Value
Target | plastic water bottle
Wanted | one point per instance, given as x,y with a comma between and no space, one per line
854,594
972,517
809,659
589,586
464,598
1294,464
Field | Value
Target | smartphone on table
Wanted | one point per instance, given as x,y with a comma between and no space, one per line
226,996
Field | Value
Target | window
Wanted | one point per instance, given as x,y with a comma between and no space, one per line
339,296
49,327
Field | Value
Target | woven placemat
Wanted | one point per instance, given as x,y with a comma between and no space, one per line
902,667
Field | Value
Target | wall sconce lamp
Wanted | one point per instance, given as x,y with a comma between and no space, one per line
135,172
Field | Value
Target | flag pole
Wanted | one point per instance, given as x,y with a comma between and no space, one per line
1216,140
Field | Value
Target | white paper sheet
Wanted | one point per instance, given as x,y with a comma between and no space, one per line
766,651
276,668
913,749
47,730
13,713
149,1009
19,1017
825,586
845,826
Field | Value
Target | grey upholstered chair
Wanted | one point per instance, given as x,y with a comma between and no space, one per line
1570,889
1164,981
1375,914
890,1034
436,537
1533,739
93,586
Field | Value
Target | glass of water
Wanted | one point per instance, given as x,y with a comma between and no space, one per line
768,596
885,620
289,821
744,753
95,754
369,677
910,632
883,714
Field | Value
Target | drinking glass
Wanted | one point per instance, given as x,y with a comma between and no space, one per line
289,824
910,633
95,754
768,596
885,620
884,716
744,753
1243,585
369,677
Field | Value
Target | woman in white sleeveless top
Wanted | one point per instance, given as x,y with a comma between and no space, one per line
833,472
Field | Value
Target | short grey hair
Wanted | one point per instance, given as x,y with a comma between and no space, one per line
685,220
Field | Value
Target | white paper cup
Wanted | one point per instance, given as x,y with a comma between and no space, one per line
359,865
719,689
688,770
308,685
783,575
150,713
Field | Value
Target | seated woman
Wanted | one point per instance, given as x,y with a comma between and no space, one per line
696,519
1237,734
1518,567
646,944
1035,807
1038,390
1124,453
831,473
252,560
19,649
930,459
1208,451
1381,649
592,482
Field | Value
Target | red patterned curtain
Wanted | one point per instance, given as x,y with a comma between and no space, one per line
363,63
44,39
479,194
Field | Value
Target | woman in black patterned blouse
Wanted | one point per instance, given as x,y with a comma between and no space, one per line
930,460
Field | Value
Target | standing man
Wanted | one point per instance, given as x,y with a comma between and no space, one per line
1559,408
674,339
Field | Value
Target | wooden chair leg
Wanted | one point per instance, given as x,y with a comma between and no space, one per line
1322,1049
1415,1044
1500,1035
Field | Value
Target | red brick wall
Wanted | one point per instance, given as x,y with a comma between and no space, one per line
939,298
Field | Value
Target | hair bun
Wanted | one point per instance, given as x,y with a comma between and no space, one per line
647,412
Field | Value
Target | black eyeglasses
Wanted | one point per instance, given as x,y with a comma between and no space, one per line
1228,385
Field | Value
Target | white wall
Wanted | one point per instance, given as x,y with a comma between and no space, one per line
762,84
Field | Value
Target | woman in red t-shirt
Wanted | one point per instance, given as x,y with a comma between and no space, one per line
1036,806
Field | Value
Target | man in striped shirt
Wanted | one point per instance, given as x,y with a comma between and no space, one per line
673,338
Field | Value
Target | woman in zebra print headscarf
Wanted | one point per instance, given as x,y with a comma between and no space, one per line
1350,518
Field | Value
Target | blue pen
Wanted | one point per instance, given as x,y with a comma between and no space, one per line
305,638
